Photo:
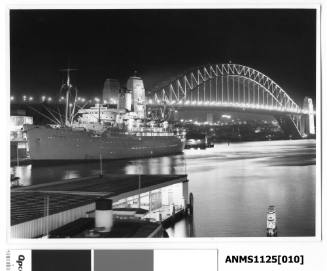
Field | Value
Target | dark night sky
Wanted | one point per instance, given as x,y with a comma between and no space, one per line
158,44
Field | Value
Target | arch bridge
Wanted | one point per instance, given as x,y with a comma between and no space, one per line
236,87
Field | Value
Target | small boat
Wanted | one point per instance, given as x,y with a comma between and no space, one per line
14,181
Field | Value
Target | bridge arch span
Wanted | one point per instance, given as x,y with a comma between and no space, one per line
233,86
225,84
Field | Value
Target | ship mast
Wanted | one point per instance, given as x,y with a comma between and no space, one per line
67,98
69,87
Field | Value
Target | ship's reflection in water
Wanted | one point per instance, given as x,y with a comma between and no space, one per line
233,185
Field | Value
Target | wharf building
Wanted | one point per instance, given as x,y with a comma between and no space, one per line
18,141
69,208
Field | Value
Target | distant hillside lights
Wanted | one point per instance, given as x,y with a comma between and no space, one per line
48,99
30,99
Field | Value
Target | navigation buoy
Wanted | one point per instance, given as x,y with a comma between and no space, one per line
271,221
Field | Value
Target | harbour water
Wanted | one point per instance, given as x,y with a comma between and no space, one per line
233,185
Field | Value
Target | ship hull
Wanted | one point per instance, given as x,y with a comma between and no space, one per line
49,144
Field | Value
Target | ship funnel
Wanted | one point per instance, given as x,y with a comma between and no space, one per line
103,215
136,87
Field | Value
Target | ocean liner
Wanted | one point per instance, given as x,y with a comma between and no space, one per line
101,132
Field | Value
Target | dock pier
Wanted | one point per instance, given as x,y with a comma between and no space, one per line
179,215
144,202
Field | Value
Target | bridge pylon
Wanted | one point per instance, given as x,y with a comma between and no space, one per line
308,120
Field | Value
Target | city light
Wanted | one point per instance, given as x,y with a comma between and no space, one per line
30,98
12,98
97,99
43,98
49,99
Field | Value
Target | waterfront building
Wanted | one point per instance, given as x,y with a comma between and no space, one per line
18,142
143,201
